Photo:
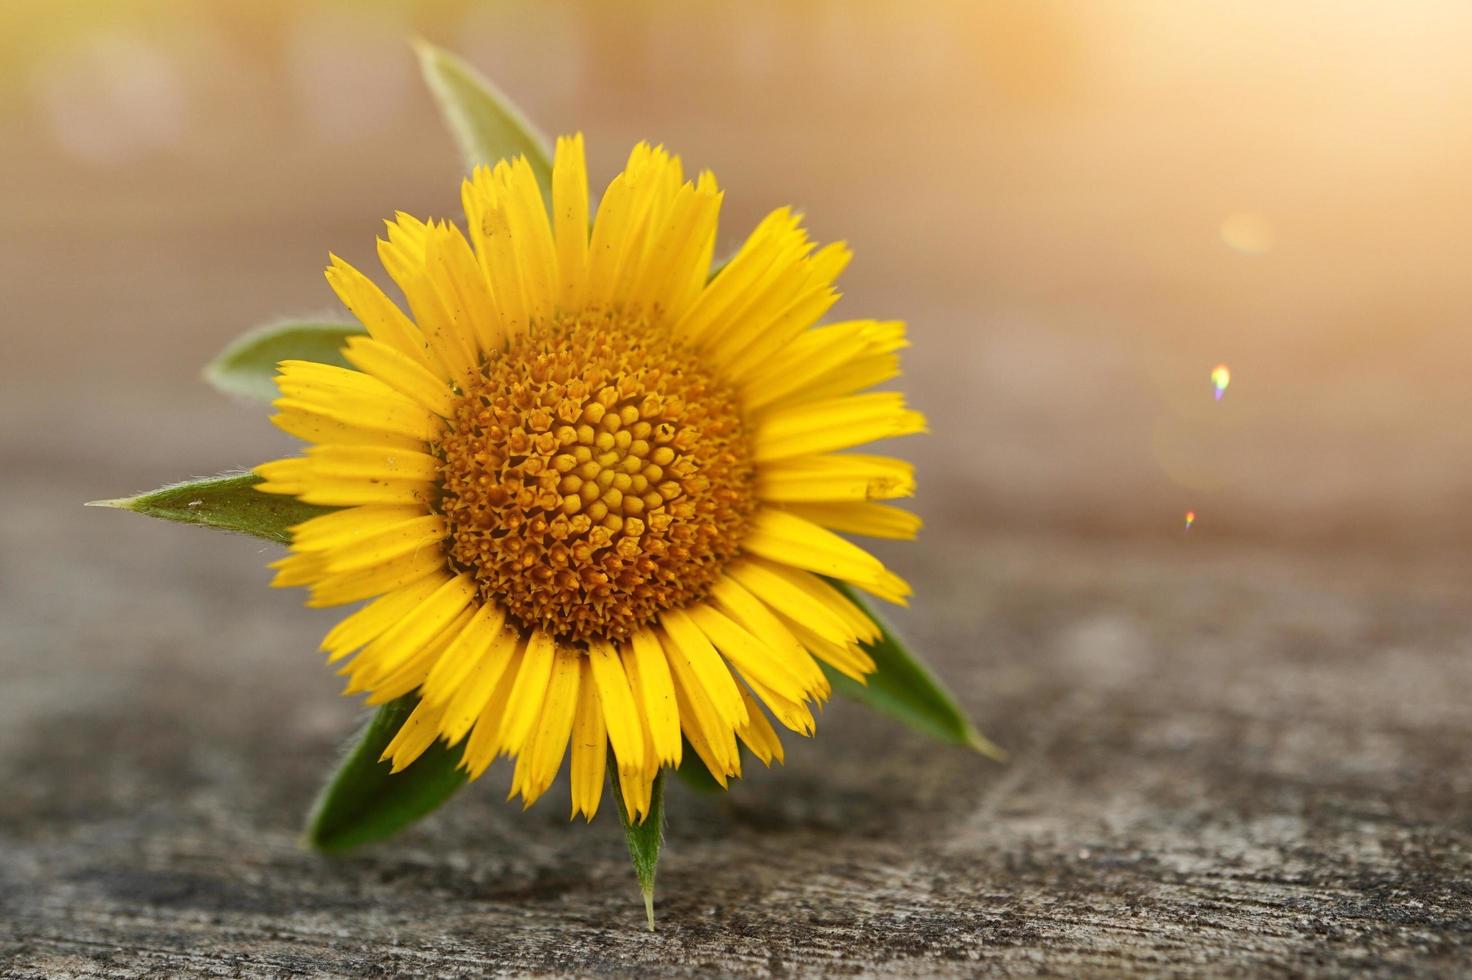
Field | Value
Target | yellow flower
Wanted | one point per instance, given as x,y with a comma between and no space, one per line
591,490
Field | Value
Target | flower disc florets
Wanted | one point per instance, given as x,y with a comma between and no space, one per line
595,475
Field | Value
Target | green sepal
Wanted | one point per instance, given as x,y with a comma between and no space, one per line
365,801
485,123
248,366
904,688
229,502
644,838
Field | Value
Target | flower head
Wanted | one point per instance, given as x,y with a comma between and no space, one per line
590,490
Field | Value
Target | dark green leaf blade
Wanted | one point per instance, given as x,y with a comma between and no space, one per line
248,366
904,688
229,502
645,838
485,123
365,801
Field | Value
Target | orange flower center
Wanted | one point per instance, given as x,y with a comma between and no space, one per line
595,475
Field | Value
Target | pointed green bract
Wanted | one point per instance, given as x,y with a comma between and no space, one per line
365,801
904,688
229,502
644,839
485,123
248,366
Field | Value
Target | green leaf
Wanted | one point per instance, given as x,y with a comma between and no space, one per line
248,366
485,123
365,801
904,688
229,502
644,839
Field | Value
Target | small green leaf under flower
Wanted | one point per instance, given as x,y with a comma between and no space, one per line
229,502
248,366
904,688
365,801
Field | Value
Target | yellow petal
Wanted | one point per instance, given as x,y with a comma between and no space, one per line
548,745
464,296
376,618
652,686
636,790
701,722
408,675
620,712
789,322
432,615
750,656
860,517
648,669
860,626
337,590
295,570
484,744
713,741
589,746
676,257
372,463
403,255
834,423
814,355
777,243
849,476
395,416
479,683
536,255
487,205
352,524
760,621
383,320
855,376
421,533
402,373
793,715
690,649
786,538
570,220
526,695
848,659
758,733
311,425
464,654
416,734
768,583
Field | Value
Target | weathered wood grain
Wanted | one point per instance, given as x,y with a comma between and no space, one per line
1227,761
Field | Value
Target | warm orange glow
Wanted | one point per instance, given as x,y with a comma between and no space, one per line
1089,202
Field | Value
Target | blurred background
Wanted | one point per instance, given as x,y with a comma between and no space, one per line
1080,208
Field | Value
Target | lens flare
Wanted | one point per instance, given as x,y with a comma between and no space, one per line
1190,519
1221,376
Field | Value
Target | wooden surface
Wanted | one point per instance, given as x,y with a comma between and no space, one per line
1226,761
